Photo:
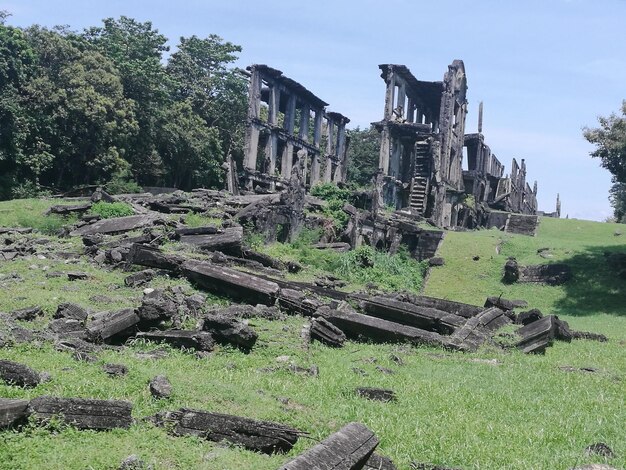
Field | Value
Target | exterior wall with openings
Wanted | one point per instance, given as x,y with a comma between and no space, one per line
287,125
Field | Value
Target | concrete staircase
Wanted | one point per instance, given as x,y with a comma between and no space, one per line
419,183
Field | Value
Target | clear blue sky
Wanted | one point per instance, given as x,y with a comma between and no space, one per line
544,68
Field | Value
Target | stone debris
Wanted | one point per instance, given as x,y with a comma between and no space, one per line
160,387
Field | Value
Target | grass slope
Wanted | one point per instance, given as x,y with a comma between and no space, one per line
488,410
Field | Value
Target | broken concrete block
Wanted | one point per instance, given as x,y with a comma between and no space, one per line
260,436
14,373
84,413
160,387
230,330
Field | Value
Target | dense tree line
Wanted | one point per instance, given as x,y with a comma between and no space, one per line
106,105
610,142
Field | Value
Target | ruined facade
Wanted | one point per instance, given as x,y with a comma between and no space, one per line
422,141
288,125
422,166
484,177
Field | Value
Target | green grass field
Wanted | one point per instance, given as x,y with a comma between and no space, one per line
487,410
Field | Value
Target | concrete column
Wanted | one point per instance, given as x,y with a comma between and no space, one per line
274,104
389,95
402,99
287,160
290,114
329,151
385,149
317,137
288,125
305,113
340,152
396,153
252,131
410,111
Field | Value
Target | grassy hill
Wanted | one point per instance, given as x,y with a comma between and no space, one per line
489,410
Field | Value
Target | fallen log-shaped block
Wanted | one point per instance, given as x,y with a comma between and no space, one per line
358,324
115,225
190,339
504,304
325,332
12,412
137,279
107,324
552,274
151,257
260,436
537,336
84,413
230,330
208,230
228,241
70,311
62,210
477,330
297,302
425,318
18,374
456,308
347,449
227,281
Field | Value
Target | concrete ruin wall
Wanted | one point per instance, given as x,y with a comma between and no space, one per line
421,154
288,125
422,140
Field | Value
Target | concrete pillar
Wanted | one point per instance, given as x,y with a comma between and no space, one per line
410,110
305,113
396,153
288,125
317,137
330,129
385,149
252,131
389,95
340,152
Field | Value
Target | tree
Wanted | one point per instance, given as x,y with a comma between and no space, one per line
364,152
610,142
16,66
191,151
79,119
199,70
136,50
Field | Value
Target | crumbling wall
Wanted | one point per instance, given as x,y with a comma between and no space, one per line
287,123
422,141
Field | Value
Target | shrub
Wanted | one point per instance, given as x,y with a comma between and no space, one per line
335,198
108,210
122,182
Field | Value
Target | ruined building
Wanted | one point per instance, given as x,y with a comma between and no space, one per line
430,166
288,125
422,142
484,177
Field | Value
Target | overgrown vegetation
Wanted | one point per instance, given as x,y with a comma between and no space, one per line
335,198
108,210
360,268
